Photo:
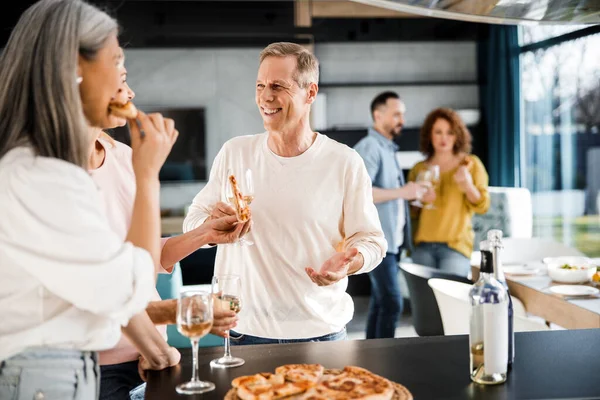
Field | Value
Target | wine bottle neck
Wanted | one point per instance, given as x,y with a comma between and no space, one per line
497,262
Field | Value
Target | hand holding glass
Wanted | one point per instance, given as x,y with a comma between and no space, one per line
428,179
227,292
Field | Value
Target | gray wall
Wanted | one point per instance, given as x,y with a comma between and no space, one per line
396,62
222,81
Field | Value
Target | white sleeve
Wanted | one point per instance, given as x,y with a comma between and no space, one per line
210,194
361,221
60,236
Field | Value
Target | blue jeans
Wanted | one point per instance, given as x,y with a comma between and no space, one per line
386,302
117,380
442,257
50,374
238,339
138,393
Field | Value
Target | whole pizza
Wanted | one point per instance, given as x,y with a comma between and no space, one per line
314,382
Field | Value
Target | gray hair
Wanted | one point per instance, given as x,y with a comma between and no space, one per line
40,104
307,65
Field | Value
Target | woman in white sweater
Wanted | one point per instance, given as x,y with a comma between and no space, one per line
59,299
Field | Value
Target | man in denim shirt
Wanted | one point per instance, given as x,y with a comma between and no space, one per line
378,151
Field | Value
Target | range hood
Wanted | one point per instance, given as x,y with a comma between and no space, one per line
500,11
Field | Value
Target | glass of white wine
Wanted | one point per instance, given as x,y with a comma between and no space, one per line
428,179
194,320
227,292
246,188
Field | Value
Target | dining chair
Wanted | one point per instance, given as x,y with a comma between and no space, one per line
426,317
452,298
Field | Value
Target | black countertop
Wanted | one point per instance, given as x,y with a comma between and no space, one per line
548,365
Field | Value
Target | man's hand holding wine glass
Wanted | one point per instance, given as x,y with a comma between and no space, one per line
227,295
224,320
429,196
223,217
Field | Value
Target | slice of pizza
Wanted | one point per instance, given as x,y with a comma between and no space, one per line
255,391
353,383
290,390
301,372
239,203
268,386
263,377
467,161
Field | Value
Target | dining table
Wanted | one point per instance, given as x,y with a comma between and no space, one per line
561,364
534,291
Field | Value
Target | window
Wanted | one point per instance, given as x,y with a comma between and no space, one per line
560,95
537,33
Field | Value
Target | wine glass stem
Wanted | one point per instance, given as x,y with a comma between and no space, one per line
195,360
227,346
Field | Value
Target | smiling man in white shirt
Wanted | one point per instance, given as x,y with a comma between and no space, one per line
314,218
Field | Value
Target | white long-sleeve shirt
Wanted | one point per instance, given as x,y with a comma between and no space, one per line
303,208
116,184
59,259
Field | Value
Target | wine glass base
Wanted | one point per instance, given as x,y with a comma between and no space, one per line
227,362
195,387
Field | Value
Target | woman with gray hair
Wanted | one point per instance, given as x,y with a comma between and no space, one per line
59,299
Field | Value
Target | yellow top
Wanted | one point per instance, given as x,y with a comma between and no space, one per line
450,221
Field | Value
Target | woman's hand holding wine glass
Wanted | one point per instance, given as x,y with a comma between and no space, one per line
227,293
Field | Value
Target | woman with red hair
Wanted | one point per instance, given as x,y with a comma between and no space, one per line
443,233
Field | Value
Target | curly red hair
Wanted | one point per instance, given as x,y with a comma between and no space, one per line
457,128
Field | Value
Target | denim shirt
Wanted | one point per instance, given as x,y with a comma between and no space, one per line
379,155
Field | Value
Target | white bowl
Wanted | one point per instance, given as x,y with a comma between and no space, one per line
573,260
582,274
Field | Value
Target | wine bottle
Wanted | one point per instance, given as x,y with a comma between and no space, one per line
488,335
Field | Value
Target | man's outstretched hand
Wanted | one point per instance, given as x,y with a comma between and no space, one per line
334,269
